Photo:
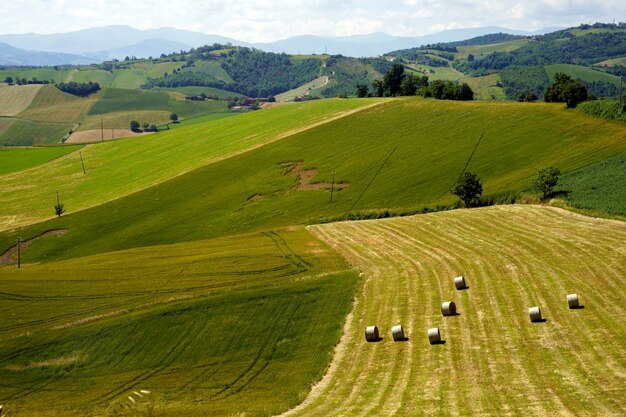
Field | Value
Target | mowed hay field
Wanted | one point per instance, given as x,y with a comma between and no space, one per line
241,325
16,98
494,360
53,105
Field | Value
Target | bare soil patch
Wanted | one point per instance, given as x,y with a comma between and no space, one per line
90,136
8,256
306,175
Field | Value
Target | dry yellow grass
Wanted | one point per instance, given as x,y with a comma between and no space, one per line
91,136
16,98
495,361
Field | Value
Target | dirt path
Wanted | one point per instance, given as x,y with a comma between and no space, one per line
8,256
495,362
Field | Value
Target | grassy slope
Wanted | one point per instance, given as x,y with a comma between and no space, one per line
53,105
495,361
209,91
104,78
28,133
485,88
439,73
582,73
19,159
433,139
598,187
302,90
118,168
479,50
243,324
612,62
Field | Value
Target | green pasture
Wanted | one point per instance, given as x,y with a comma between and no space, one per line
238,325
582,73
19,159
214,200
480,50
303,89
28,133
118,168
436,73
196,91
598,187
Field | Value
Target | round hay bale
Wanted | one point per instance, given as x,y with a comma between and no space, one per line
535,314
434,336
448,308
398,333
371,334
572,301
459,283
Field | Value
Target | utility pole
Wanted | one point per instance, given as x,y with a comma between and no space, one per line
101,130
19,252
82,162
332,187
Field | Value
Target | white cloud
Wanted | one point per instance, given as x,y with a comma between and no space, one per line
267,20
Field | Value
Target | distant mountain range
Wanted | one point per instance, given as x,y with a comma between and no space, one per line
100,44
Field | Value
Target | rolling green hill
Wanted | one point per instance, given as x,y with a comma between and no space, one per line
245,323
251,191
20,159
119,168
582,73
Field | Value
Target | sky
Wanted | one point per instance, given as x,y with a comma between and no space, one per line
270,20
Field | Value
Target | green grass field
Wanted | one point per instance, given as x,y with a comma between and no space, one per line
582,73
28,133
479,50
53,105
611,62
598,187
495,361
20,159
104,78
437,73
486,87
212,68
129,79
209,91
237,325
147,161
303,89
213,200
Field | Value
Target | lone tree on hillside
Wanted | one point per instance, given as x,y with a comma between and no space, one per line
59,208
546,180
8,80
174,117
393,80
565,90
468,188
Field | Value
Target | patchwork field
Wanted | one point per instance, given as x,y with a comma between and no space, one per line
494,360
53,105
303,90
19,159
197,329
27,133
16,98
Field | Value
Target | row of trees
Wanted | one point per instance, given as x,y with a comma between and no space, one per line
396,82
24,81
469,188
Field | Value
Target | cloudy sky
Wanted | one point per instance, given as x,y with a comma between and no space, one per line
269,20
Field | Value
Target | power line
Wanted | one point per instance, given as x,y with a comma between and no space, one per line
371,181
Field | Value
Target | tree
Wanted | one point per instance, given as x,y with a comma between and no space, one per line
174,118
59,207
271,99
468,188
154,128
465,93
362,90
379,88
574,92
565,90
408,86
546,180
134,125
8,80
393,79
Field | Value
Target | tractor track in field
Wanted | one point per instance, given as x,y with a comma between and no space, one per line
494,362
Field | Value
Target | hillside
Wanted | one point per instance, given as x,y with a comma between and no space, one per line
524,63
192,329
513,258
247,191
